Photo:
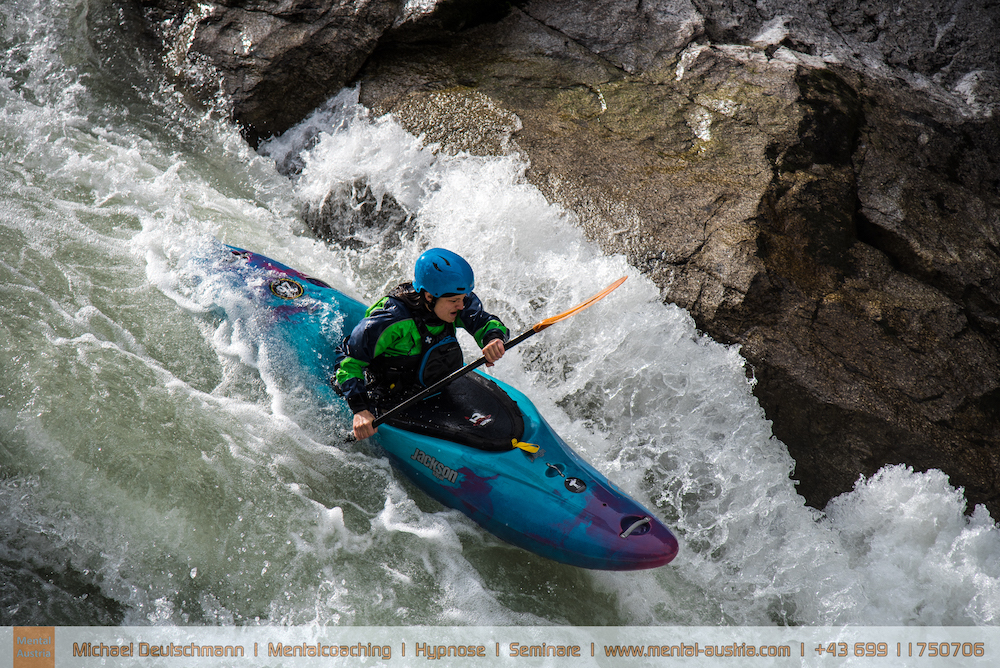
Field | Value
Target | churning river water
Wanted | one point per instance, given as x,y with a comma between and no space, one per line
158,465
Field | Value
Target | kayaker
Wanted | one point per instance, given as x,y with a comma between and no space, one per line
407,339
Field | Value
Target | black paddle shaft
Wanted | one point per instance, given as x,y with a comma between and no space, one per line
426,392
455,375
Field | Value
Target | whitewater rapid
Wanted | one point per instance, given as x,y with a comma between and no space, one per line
159,465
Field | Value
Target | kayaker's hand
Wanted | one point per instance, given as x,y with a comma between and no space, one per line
363,425
493,351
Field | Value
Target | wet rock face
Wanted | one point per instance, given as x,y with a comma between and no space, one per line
355,217
861,314
819,184
274,61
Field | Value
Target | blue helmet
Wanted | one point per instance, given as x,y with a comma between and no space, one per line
441,272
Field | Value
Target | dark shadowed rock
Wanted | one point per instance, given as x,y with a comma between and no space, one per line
896,365
633,36
951,46
354,217
274,60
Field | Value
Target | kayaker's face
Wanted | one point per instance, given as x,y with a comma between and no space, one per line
448,308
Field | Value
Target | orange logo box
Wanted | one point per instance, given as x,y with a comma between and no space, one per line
34,647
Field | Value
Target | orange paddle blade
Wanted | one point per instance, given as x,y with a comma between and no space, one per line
579,307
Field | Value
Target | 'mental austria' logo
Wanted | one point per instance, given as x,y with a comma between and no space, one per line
440,471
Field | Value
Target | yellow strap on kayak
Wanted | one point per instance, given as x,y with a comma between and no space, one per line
527,447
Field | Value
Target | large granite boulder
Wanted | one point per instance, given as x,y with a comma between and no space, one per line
818,185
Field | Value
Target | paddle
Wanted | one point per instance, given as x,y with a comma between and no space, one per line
548,322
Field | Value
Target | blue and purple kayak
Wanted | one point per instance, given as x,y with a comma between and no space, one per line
465,445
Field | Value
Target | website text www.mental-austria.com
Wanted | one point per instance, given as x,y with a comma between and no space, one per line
734,650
